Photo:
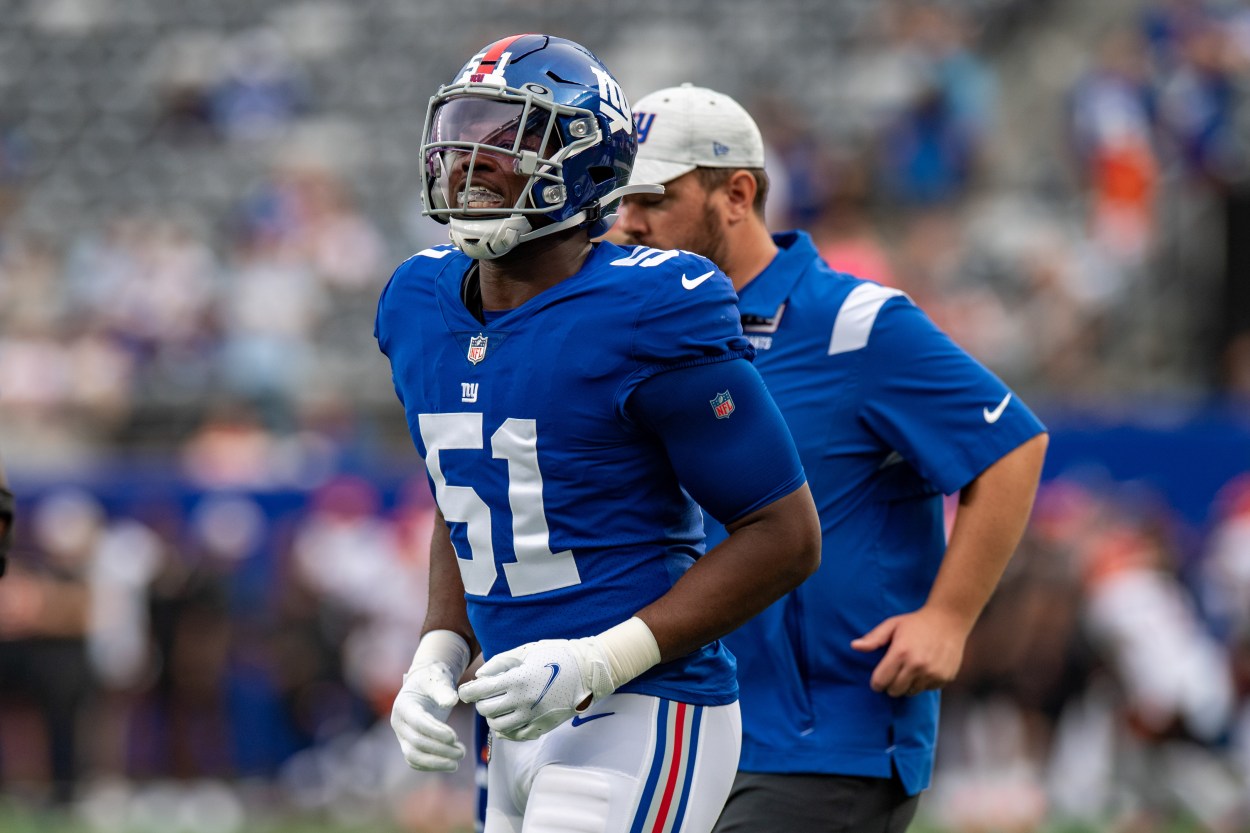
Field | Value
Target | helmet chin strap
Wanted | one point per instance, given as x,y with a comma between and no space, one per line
625,190
488,239
494,238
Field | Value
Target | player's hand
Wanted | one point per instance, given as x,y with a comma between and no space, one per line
925,650
528,691
419,718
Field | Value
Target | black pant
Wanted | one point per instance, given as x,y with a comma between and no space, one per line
807,803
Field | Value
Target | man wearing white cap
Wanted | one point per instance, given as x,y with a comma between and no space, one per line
839,678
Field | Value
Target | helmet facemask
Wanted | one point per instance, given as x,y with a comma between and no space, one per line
525,134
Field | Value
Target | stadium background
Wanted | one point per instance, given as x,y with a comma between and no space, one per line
219,565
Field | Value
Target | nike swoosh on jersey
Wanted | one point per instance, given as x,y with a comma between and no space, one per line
555,672
691,284
578,720
992,416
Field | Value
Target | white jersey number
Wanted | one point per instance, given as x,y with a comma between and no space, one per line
537,569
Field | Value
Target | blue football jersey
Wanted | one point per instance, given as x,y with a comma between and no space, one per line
566,516
888,415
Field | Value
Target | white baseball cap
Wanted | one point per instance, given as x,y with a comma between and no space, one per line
688,127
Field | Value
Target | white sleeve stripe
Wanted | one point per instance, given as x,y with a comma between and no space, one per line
857,315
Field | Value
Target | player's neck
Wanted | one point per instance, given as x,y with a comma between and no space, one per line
532,268
753,250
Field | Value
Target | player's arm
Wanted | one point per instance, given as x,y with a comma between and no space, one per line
767,554
419,716
964,431
926,646
743,469
447,610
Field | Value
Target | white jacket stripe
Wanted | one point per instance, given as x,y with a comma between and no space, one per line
857,315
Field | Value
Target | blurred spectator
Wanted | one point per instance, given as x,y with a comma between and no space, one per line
1226,564
932,147
1236,371
799,165
45,616
8,516
183,69
231,448
1176,682
1200,61
351,557
260,91
271,308
1112,114
1174,674
14,168
846,233
1027,661
343,246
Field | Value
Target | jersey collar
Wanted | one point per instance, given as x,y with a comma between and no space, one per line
458,318
768,290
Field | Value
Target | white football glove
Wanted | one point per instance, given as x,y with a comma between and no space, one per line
419,716
528,691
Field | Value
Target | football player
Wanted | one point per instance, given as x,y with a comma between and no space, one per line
572,401
839,679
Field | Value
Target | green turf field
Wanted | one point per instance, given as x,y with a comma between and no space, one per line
15,820
24,820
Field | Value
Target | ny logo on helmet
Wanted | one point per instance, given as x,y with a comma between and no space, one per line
613,103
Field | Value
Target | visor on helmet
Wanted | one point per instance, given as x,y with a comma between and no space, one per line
520,135
492,122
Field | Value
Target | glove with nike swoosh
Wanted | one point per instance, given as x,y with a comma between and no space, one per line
528,691
419,716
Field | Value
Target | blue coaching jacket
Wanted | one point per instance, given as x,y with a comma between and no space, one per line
888,415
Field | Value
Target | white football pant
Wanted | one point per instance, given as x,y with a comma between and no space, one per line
631,764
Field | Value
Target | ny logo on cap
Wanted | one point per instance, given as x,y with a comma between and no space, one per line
642,121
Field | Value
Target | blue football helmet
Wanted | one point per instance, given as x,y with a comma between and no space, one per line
545,108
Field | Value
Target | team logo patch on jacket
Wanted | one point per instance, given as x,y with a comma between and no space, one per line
722,405
477,348
763,323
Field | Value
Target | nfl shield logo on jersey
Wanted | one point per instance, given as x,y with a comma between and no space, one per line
722,405
477,348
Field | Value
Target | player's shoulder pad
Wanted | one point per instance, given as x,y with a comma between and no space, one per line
428,263
415,280
684,307
420,271
663,277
